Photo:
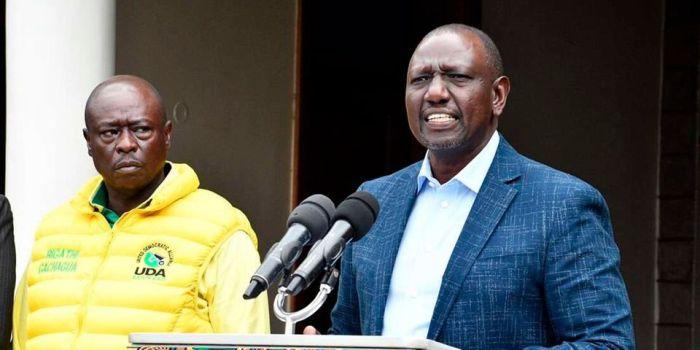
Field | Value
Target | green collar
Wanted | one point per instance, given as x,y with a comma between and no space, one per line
99,200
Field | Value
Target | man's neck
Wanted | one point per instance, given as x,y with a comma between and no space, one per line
445,164
120,201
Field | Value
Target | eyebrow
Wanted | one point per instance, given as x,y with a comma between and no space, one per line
141,119
425,68
442,67
102,124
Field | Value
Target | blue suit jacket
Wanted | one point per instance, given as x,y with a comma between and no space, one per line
535,264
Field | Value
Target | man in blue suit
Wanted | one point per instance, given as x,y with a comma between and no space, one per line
477,246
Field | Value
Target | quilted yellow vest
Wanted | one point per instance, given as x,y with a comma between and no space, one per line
90,285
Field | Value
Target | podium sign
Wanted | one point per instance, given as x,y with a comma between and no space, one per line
174,341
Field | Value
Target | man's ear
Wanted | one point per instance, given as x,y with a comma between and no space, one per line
87,141
500,90
168,131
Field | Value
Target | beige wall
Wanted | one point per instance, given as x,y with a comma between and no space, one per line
231,63
585,99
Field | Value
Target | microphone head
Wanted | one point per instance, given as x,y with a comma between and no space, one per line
256,286
360,209
315,214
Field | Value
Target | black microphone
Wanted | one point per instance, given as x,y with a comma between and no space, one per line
354,217
307,223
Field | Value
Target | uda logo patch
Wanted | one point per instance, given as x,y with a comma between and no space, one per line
152,261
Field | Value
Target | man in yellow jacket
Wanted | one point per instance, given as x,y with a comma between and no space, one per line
140,248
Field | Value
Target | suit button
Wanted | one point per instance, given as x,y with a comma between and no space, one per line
444,204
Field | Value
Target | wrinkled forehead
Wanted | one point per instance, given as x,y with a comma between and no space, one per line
447,50
121,99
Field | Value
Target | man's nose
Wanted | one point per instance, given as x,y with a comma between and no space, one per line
437,91
126,142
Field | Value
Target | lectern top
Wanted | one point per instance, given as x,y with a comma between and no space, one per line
177,341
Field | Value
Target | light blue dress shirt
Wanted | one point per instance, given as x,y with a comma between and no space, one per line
431,233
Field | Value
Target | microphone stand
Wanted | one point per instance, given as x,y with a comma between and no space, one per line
290,319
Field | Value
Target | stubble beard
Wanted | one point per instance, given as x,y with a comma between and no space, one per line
446,145
454,142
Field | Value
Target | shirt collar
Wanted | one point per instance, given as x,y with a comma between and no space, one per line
99,201
472,175
100,198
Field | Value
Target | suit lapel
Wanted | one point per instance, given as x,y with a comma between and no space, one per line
402,196
492,201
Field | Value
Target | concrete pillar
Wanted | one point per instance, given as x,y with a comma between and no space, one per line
57,51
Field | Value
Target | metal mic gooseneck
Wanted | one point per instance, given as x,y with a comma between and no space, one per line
290,319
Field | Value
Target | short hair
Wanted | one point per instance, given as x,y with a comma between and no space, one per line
140,83
493,56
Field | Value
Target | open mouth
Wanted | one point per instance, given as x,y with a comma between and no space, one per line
440,120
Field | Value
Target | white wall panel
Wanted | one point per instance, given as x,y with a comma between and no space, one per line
57,51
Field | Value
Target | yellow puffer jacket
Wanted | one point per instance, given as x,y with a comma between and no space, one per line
90,285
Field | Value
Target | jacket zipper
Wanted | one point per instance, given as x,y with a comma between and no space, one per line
82,312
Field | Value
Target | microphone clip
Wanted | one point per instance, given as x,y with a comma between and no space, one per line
290,319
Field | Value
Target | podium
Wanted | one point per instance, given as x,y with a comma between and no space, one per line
174,341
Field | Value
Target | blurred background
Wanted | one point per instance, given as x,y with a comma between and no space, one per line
276,100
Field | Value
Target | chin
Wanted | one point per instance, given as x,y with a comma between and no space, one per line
128,187
129,182
443,145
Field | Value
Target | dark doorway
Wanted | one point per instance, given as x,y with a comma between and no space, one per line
352,125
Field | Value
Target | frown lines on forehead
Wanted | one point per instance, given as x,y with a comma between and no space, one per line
145,91
129,121
493,56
